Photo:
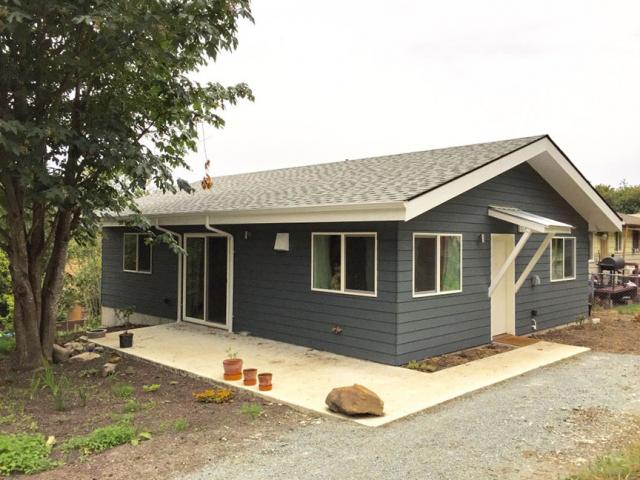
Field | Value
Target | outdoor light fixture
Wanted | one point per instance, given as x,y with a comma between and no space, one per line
481,238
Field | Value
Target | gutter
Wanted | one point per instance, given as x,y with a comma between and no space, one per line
180,255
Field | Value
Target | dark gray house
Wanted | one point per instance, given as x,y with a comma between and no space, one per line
389,258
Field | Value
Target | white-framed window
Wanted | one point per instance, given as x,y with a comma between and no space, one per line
563,258
344,263
437,263
136,253
617,236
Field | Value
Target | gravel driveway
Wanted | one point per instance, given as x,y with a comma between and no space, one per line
540,425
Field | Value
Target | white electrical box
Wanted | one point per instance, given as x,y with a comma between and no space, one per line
282,242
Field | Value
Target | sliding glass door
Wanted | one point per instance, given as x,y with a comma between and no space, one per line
205,279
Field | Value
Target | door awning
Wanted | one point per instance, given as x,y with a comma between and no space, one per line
529,221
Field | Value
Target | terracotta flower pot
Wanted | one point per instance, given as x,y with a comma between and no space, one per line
265,381
250,375
232,368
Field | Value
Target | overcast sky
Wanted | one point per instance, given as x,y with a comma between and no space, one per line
350,79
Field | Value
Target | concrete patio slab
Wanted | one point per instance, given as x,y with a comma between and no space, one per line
303,377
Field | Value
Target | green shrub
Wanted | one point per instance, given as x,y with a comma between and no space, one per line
7,344
101,439
58,385
24,453
253,410
122,390
180,425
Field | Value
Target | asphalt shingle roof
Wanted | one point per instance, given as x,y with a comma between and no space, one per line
369,180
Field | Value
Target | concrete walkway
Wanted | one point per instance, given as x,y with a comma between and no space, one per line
303,377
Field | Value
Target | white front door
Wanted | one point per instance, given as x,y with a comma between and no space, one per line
503,303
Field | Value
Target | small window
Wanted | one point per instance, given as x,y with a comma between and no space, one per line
635,241
563,258
344,263
618,241
437,264
136,253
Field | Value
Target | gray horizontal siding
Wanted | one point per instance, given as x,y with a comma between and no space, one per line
273,296
151,294
433,325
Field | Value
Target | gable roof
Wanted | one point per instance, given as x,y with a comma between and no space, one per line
630,220
390,187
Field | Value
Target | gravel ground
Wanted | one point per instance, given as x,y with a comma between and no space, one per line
540,425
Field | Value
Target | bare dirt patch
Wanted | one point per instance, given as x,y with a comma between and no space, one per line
433,364
212,431
616,333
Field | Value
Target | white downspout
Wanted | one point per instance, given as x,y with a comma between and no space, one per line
180,255
230,255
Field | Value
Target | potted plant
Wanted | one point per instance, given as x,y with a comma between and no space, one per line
123,315
232,366
250,375
265,381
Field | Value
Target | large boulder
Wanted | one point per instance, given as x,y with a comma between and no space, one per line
84,357
75,347
354,400
60,354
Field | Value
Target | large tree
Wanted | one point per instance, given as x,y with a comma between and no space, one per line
96,105
625,198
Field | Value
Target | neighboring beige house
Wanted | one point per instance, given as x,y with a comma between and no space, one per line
624,244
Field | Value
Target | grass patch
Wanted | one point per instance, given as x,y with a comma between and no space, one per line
24,453
122,390
131,406
621,466
180,425
101,439
628,309
253,410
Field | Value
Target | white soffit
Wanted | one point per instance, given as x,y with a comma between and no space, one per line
527,220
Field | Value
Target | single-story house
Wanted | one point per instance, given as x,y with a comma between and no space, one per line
625,244
389,258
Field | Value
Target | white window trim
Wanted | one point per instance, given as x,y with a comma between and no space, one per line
413,263
124,235
343,264
575,260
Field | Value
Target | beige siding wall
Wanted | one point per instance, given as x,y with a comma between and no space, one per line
618,245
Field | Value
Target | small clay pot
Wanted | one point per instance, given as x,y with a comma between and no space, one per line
250,375
232,368
265,381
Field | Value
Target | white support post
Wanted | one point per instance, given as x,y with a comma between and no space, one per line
512,257
534,260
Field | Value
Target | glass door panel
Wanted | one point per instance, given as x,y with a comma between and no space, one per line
194,278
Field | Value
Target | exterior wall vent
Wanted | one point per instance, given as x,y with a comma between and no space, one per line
282,242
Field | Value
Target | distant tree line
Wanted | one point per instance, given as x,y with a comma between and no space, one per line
624,198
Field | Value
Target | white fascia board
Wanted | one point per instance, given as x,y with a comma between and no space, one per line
443,193
560,173
391,211
551,164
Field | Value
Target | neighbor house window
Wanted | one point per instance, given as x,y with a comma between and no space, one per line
618,242
563,258
635,240
437,263
344,263
136,253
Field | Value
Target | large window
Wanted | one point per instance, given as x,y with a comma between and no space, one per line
344,263
563,258
618,241
136,253
437,263
635,241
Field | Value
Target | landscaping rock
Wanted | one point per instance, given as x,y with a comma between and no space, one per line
354,400
109,369
114,358
99,349
75,347
83,338
90,347
60,354
84,357
595,321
